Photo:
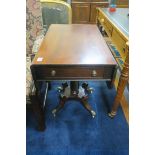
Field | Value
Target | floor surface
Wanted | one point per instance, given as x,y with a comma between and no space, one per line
75,132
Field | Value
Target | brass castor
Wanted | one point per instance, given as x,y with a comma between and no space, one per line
54,112
112,114
93,113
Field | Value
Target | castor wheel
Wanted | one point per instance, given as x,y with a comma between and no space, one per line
85,85
112,114
90,90
87,88
93,113
60,89
54,112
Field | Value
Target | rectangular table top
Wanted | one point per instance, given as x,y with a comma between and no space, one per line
74,44
120,18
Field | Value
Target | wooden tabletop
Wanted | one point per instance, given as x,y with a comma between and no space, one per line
75,44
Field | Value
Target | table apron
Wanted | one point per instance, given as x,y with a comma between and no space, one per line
47,73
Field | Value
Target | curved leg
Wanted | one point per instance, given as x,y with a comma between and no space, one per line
121,86
59,106
74,92
87,106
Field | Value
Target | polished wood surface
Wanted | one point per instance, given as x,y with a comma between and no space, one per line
69,72
72,52
81,13
84,11
76,44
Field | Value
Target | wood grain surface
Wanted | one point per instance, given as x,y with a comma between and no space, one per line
75,44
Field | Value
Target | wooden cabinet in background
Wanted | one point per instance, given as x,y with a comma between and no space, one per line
80,12
122,3
94,11
84,11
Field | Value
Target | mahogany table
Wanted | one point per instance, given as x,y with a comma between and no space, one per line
72,52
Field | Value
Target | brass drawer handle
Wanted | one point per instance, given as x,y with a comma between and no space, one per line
53,72
102,20
94,73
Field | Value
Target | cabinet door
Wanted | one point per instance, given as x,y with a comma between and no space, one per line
80,13
94,11
122,3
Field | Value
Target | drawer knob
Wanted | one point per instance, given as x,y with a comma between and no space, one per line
53,72
94,73
102,20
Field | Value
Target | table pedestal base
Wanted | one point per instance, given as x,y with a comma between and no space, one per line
74,91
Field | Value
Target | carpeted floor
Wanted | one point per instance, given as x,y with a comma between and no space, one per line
75,132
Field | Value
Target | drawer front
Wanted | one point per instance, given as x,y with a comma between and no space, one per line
63,72
108,27
119,42
105,23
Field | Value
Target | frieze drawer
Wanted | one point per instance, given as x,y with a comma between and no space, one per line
71,72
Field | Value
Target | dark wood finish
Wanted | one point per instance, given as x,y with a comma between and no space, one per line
73,72
110,84
74,89
81,51
94,11
38,111
49,86
79,44
80,12
76,51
